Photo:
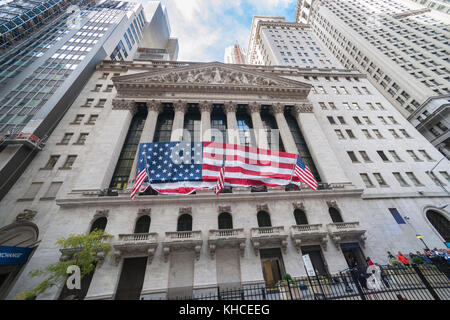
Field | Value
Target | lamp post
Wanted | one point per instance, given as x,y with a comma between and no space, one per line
420,237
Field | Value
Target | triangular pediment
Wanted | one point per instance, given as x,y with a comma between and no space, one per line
214,74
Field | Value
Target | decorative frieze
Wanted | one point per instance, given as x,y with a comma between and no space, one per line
118,104
302,108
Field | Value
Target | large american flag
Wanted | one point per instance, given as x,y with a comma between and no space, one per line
183,167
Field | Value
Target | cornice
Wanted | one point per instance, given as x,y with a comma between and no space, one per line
187,201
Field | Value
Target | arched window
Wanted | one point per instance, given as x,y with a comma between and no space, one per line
263,219
225,221
184,223
335,215
440,223
300,217
142,225
99,224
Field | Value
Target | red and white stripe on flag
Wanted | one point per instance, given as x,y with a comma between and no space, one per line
306,176
138,183
220,181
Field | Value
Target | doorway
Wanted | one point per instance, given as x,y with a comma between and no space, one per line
272,266
353,255
317,259
131,279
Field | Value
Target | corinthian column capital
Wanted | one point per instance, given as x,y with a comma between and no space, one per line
180,106
205,106
229,107
254,107
154,106
277,108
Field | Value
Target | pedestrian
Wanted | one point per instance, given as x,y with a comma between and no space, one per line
369,262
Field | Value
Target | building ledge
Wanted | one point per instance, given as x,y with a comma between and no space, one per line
182,240
346,231
268,236
226,238
309,234
135,245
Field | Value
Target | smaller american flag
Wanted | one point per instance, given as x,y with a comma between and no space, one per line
138,183
304,174
220,181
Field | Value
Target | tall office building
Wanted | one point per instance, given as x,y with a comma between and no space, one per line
234,55
373,166
402,46
443,6
47,55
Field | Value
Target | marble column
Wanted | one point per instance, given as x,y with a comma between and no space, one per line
148,132
205,108
108,145
180,109
232,126
260,132
285,132
323,155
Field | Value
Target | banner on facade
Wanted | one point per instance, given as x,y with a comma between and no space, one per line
13,255
308,265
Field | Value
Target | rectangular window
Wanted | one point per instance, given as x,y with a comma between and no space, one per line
331,120
332,105
357,121
82,138
371,107
380,106
395,156
78,119
346,106
383,156
365,178
392,119
92,119
32,191
52,190
88,102
367,134
426,155
66,138
339,134
341,120
356,106
101,103
380,179
383,121
352,156
414,179
445,175
365,156
378,134
51,162
350,134
435,178
69,162
413,155
97,88
109,88
405,134
397,216
400,179
322,105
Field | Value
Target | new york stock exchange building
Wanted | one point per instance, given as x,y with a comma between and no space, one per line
371,176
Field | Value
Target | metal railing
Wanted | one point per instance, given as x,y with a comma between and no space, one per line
424,282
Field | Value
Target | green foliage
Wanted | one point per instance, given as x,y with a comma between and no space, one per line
395,263
84,250
287,277
417,260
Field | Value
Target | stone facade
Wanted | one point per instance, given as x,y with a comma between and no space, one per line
204,258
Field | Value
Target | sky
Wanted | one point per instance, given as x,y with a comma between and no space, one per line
204,28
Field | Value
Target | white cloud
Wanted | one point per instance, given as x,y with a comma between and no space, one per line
205,27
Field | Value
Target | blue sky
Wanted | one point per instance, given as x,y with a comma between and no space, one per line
205,27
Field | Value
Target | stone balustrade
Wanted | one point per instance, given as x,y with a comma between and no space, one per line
346,232
309,234
182,240
135,245
268,236
226,237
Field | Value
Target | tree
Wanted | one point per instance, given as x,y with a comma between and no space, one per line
82,250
